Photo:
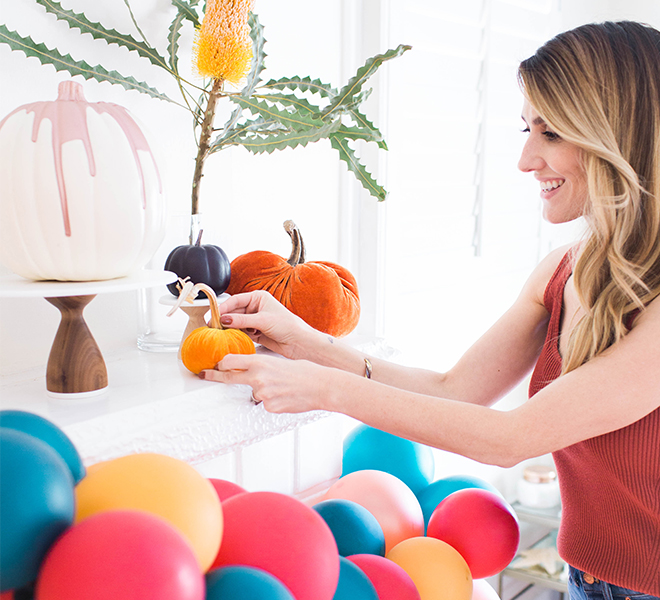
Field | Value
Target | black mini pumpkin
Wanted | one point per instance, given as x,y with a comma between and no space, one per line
202,264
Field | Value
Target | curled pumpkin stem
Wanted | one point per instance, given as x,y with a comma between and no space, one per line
297,256
189,293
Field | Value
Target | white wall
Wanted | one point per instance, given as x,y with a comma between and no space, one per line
245,198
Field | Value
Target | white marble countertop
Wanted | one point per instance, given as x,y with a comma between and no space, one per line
153,404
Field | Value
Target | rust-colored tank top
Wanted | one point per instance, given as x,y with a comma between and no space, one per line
610,484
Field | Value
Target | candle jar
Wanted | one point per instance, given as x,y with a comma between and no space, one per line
538,487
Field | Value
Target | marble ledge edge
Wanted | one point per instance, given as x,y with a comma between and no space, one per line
195,427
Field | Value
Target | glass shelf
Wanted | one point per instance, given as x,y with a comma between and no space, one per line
536,575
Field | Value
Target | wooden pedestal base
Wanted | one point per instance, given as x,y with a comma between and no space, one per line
75,363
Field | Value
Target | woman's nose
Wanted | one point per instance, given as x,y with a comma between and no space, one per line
530,159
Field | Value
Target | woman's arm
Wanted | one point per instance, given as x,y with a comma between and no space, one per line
495,364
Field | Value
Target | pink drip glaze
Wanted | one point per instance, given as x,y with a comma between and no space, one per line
68,115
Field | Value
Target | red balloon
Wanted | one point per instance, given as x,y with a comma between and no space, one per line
481,526
132,555
283,536
389,579
226,489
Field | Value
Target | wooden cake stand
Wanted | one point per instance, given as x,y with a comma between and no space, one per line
76,367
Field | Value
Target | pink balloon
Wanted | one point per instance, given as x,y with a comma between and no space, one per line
481,526
389,579
132,555
284,537
388,499
482,590
226,489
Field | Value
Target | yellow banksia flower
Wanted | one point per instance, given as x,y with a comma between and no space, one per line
223,48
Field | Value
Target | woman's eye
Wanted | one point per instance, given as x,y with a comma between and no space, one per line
526,130
551,135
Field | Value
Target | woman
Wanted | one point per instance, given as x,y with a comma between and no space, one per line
587,322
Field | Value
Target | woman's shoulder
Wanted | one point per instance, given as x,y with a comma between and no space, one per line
545,270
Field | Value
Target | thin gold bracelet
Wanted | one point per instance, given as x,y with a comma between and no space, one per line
367,368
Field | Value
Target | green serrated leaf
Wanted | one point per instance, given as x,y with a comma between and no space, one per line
173,41
358,133
258,55
66,63
185,9
305,84
291,139
98,32
354,86
293,119
363,123
244,131
347,154
291,100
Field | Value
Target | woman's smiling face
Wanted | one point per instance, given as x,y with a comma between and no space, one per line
557,165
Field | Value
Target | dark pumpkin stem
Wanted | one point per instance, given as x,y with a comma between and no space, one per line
297,245
199,238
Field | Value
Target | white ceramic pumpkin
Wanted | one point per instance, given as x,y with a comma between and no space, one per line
81,196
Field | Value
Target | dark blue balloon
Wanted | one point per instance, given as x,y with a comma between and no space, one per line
436,492
367,448
355,529
246,583
36,505
353,583
47,432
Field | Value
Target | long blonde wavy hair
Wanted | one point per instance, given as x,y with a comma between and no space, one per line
598,86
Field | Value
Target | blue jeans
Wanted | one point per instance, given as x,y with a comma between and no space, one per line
581,587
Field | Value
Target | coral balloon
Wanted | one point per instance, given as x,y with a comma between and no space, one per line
231,583
370,448
284,537
36,505
353,583
47,432
387,498
355,529
482,590
130,555
481,526
161,485
436,492
389,579
438,570
226,489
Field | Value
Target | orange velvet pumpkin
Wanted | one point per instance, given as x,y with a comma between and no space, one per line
323,294
206,346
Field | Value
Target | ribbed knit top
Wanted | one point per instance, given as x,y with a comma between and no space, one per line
610,484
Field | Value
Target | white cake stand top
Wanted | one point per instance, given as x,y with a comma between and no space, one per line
14,286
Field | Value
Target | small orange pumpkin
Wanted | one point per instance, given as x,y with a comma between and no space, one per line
323,294
205,347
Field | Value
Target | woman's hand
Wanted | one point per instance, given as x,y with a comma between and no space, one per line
284,386
267,322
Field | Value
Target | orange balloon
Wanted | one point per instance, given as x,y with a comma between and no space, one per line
166,487
438,571
387,498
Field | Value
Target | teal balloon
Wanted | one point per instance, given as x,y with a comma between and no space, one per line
246,583
367,448
36,505
355,529
353,583
436,492
47,432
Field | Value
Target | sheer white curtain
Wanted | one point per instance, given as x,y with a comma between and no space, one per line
463,224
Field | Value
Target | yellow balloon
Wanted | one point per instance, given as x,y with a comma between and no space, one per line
166,487
438,571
